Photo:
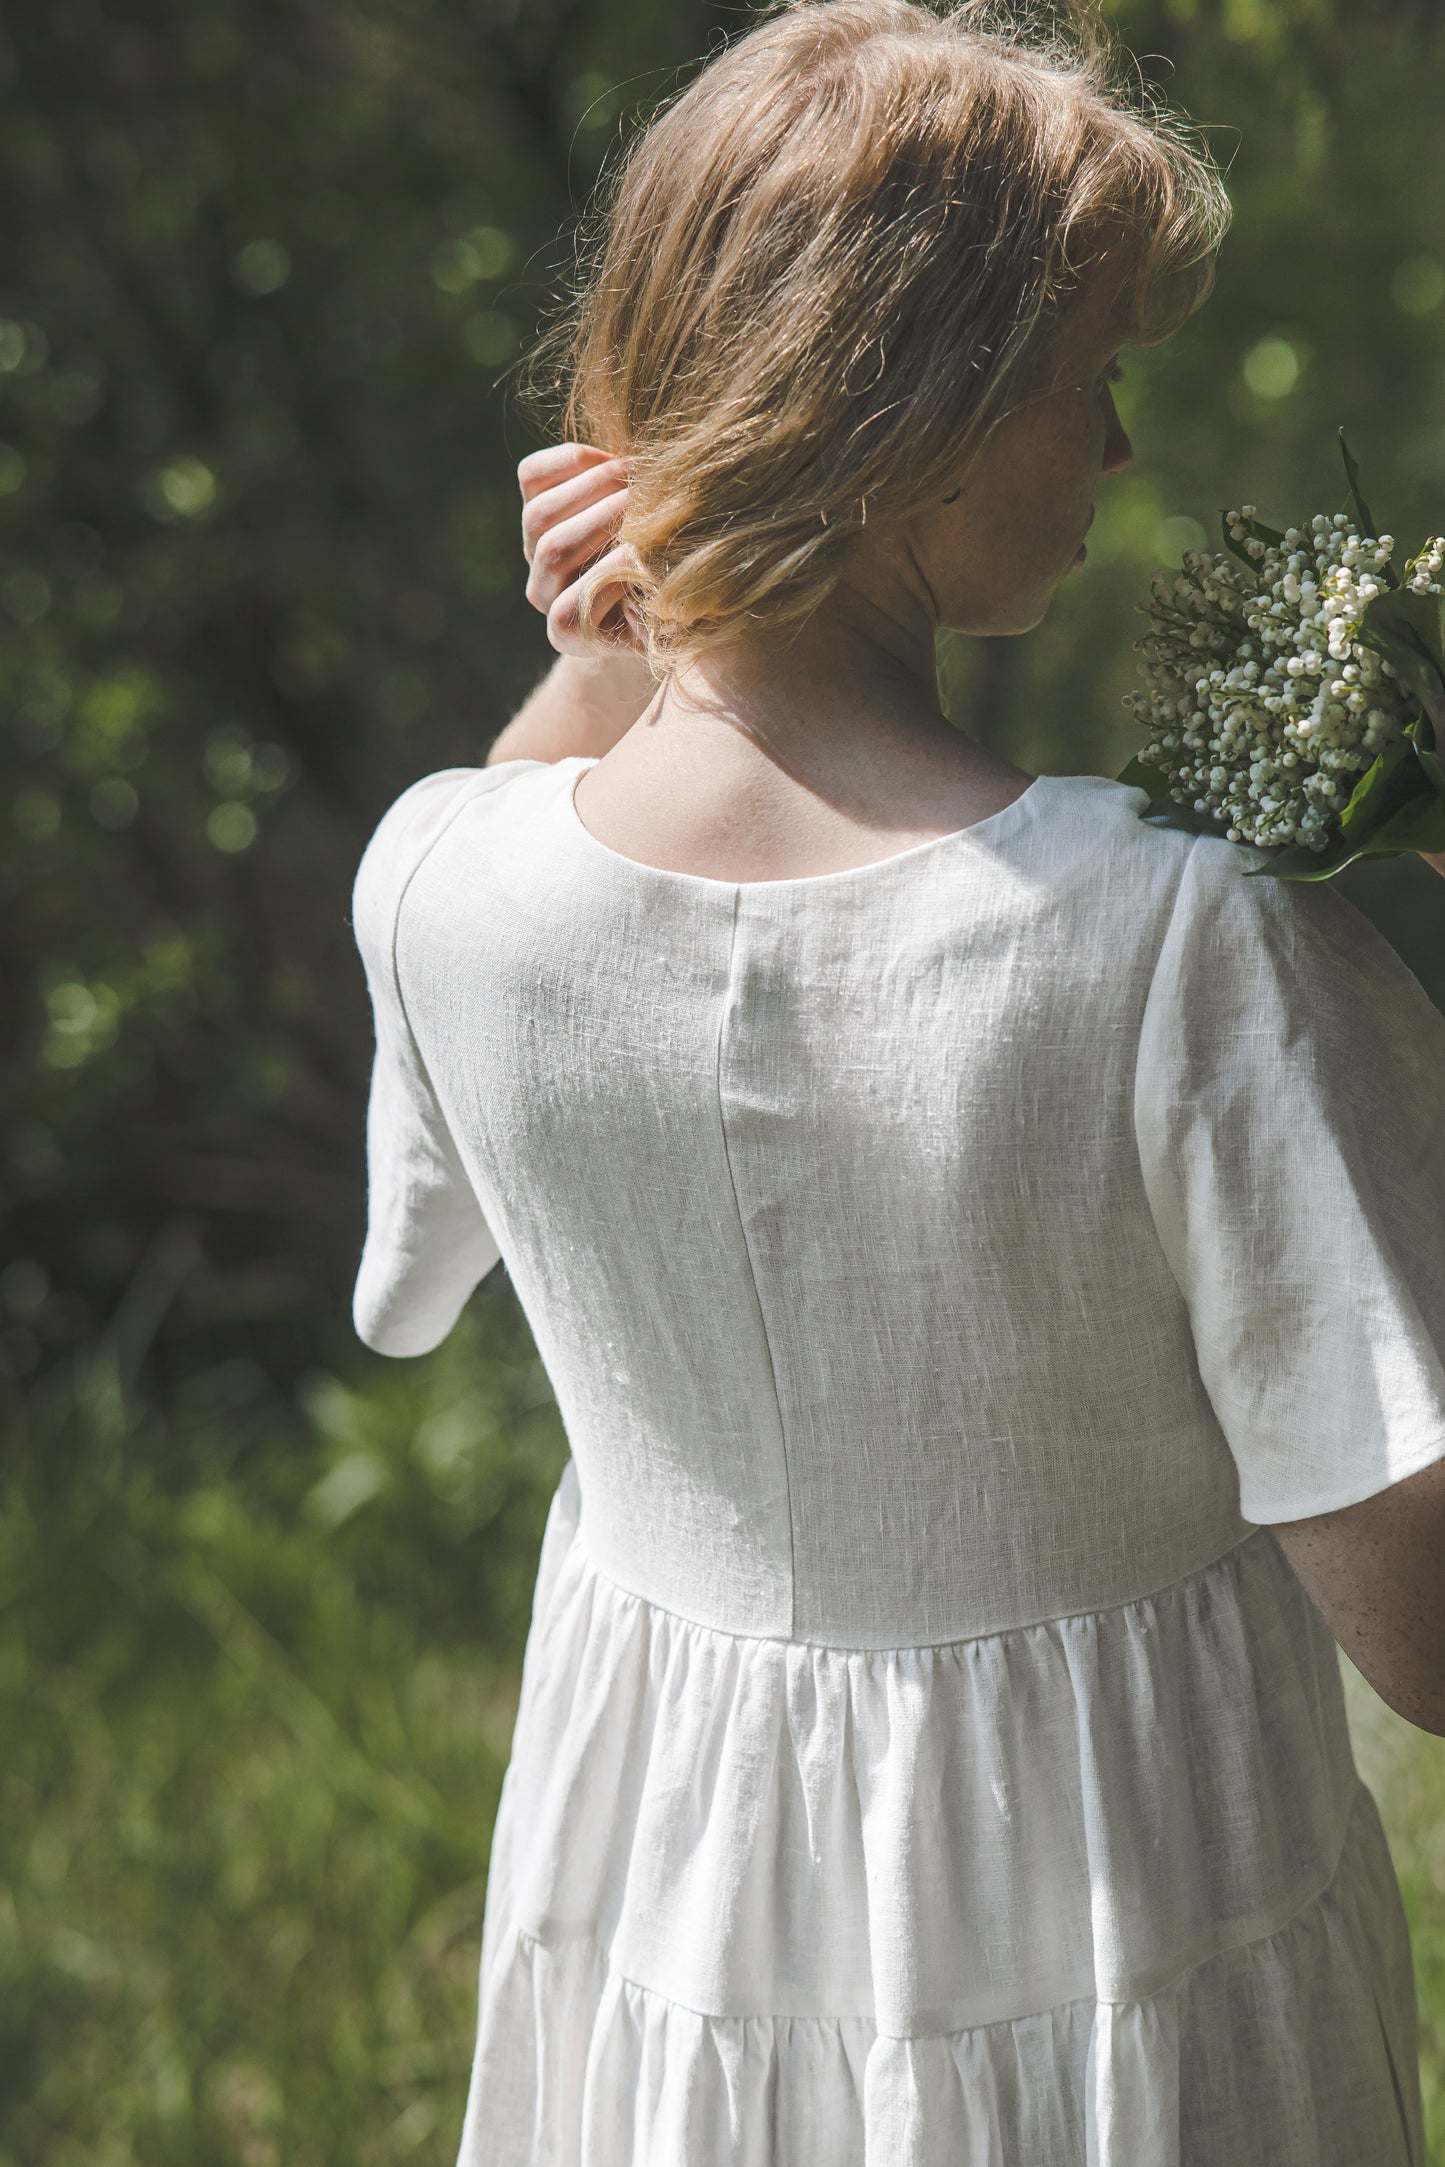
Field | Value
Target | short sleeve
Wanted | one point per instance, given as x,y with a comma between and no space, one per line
1290,1113
427,1239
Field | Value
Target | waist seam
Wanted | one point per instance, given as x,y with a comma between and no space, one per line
961,1640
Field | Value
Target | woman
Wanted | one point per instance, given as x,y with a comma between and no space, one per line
990,1256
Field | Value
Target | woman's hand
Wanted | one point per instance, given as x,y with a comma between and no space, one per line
573,499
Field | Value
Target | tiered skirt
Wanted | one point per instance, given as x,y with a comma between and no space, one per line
1105,1891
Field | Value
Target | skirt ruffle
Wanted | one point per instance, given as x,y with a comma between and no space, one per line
1105,1892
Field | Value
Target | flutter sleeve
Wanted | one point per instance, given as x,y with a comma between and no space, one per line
427,1239
1290,1113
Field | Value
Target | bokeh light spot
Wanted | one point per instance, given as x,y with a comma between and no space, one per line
113,802
1418,286
25,596
35,815
71,1005
1179,533
183,488
455,266
227,760
84,1020
231,828
24,348
1272,368
591,100
489,337
261,267
493,249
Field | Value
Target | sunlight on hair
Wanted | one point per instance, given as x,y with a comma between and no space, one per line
830,266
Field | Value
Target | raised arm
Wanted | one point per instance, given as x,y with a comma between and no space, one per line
579,707
573,499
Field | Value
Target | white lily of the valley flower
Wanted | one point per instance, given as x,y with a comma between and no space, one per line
1263,706
1422,573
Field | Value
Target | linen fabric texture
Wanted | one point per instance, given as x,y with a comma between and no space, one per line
947,1271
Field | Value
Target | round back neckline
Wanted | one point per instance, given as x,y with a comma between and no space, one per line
1021,807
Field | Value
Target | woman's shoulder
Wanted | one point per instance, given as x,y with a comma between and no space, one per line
415,823
1112,876
1220,884
1233,914
1204,912
1249,961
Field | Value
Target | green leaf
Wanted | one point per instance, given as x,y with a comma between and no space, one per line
1139,776
1255,530
1430,760
1380,791
1162,811
1298,863
1383,827
1409,631
1422,735
1169,813
1360,510
1420,825
1295,862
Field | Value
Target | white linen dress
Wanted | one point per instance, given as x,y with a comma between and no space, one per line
947,1270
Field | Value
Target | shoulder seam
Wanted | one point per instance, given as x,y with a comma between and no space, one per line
462,800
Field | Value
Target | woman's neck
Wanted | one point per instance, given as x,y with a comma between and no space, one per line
856,681
794,753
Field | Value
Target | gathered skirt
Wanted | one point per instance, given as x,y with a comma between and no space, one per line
1105,1892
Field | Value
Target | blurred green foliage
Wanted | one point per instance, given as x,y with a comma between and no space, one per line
259,568
255,1727
264,272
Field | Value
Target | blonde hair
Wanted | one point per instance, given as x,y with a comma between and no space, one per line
831,263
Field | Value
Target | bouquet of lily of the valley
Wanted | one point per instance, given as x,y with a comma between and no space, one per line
1295,694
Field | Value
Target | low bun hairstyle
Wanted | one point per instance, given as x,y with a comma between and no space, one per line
825,270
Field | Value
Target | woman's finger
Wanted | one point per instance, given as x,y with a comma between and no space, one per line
556,463
550,507
610,593
566,550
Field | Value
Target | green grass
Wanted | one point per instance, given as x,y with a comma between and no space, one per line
256,1720
258,1670
1405,1768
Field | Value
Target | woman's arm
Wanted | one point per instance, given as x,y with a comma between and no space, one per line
581,706
573,498
1374,1573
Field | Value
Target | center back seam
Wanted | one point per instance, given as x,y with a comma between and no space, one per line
752,1268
